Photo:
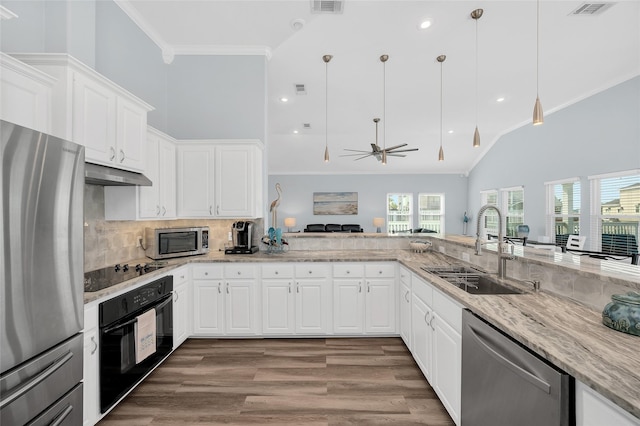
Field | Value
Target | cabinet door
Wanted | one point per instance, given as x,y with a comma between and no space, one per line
593,409
278,312
167,178
208,301
235,181
240,307
94,114
150,195
195,181
380,306
405,314
313,306
447,363
348,305
131,130
180,314
421,335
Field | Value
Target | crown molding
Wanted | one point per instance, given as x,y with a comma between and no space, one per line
169,52
222,50
6,13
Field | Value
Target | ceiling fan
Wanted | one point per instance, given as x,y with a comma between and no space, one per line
379,154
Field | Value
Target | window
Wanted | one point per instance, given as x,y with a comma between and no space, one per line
399,212
563,209
490,216
431,212
512,209
614,212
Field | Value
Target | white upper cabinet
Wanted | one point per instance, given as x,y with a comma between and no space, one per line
157,201
91,110
219,179
26,94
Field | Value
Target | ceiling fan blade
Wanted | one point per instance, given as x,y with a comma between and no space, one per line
390,154
356,150
402,150
394,147
365,153
364,156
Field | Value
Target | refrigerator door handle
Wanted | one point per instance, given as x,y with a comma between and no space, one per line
63,415
38,378
485,342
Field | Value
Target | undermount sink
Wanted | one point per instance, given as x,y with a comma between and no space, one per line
471,280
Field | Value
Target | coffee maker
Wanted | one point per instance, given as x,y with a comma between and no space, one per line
242,234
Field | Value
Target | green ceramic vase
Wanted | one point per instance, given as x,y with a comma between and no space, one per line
623,313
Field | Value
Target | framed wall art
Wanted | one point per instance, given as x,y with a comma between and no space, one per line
335,203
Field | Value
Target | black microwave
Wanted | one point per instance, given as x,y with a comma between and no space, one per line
163,243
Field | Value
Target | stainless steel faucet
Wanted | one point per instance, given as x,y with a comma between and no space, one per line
502,257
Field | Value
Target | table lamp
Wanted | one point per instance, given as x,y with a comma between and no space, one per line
289,222
378,222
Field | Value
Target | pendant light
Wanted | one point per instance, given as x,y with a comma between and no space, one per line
441,59
384,59
326,59
538,115
476,15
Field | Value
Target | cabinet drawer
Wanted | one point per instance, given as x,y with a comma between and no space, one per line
207,272
180,276
90,317
310,269
239,270
405,276
424,291
348,270
380,270
277,271
448,310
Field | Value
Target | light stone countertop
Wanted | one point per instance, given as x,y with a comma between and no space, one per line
569,335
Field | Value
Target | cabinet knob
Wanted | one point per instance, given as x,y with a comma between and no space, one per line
157,210
379,272
239,273
112,155
219,291
211,210
206,273
348,272
121,156
164,211
276,272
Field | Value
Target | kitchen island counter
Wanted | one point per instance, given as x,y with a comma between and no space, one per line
568,334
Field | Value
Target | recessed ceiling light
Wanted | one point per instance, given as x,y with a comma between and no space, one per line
297,24
295,132
450,131
284,99
500,99
424,24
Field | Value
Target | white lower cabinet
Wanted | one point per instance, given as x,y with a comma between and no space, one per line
404,297
348,298
593,409
90,413
380,298
313,299
278,299
421,331
182,318
225,300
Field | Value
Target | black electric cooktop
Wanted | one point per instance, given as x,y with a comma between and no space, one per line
112,275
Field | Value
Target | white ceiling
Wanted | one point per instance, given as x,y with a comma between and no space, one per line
579,56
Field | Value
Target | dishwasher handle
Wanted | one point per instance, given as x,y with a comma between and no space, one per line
485,341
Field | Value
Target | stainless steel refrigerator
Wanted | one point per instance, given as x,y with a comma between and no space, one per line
41,297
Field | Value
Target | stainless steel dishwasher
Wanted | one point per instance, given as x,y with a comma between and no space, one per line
504,383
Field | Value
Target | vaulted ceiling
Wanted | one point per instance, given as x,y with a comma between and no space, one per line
579,55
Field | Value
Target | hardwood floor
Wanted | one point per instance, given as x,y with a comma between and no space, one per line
328,381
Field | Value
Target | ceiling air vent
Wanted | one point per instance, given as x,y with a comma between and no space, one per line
326,6
306,126
591,9
300,89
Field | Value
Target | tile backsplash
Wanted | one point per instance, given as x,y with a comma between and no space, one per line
108,242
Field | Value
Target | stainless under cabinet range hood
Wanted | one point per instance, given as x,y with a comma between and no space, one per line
95,174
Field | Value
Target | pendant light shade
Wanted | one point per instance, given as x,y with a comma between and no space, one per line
326,59
441,59
476,15
538,115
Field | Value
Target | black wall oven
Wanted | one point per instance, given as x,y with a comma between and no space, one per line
127,334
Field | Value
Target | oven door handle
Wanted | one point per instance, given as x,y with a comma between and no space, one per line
133,320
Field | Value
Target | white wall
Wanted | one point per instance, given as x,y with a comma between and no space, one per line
600,134
297,196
